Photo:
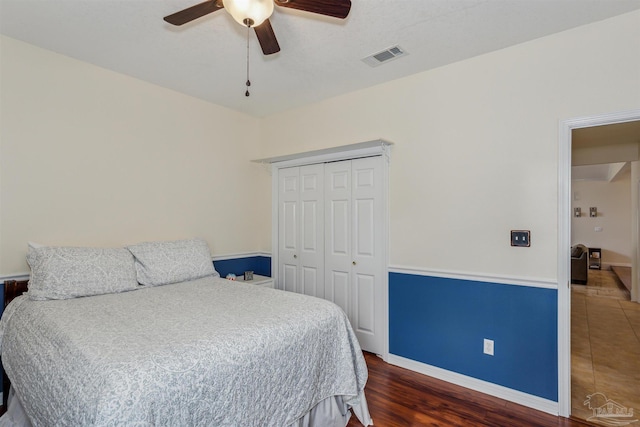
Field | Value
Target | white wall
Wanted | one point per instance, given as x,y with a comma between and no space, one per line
477,144
613,200
91,157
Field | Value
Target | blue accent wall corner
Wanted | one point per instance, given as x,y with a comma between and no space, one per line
258,264
443,322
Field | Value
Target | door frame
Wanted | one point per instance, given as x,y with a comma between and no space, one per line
564,244
346,152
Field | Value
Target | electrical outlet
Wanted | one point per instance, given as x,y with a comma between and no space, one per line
488,347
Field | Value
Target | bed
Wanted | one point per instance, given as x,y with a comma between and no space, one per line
200,351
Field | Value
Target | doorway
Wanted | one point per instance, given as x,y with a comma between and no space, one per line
564,240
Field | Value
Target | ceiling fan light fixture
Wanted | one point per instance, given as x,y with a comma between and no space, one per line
249,13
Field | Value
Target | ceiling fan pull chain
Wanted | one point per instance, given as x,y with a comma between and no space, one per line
248,81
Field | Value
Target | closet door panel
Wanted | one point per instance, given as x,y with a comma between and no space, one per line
338,233
311,253
338,290
289,275
310,226
339,224
288,207
366,196
365,314
309,284
289,220
364,228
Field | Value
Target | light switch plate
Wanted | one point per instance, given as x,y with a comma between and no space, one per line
521,238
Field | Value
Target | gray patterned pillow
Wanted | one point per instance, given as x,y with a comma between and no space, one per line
70,272
161,263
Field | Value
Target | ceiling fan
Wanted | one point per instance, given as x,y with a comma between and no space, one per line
256,13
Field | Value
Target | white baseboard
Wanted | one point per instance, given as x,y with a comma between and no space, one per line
495,390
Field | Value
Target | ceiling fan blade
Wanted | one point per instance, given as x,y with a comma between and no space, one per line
193,12
267,38
335,8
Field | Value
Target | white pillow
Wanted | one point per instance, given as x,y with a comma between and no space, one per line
161,263
71,272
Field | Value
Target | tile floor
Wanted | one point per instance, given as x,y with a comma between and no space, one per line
605,343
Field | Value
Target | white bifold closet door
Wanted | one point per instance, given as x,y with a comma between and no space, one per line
330,239
353,245
301,229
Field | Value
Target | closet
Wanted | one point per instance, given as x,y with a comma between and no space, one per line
331,242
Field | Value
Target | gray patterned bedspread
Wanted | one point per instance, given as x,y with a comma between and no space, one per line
203,353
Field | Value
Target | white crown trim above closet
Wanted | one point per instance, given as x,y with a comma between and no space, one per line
376,147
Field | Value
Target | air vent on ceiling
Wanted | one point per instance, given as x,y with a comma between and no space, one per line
384,56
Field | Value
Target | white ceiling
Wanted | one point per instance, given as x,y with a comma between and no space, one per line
601,136
597,136
320,56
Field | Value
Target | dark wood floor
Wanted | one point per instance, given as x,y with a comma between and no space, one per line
399,397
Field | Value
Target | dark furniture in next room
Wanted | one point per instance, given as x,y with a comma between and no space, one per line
579,267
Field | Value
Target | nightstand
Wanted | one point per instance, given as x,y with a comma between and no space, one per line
595,258
264,281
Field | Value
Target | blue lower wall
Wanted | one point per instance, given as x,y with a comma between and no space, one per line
442,322
258,264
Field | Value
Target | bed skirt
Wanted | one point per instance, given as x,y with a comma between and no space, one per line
15,415
331,412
